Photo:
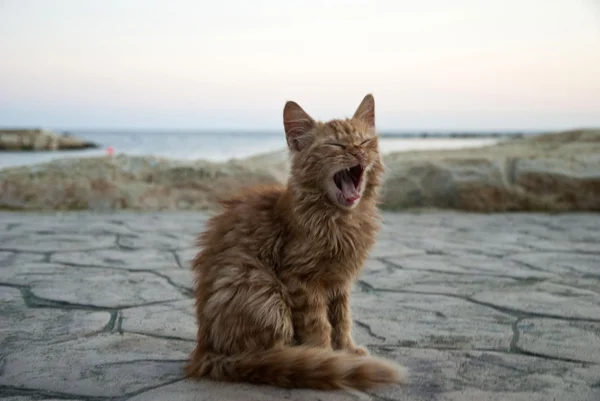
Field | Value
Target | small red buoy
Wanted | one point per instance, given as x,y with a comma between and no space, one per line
110,150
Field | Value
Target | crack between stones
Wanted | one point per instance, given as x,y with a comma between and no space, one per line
10,391
33,301
515,337
514,350
521,351
177,259
367,327
111,323
502,309
16,250
10,226
145,390
157,336
124,247
119,325
533,267
183,290
454,273
16,286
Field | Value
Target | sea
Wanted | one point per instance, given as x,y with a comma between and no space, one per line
219,146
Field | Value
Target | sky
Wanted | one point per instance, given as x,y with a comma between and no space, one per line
189,64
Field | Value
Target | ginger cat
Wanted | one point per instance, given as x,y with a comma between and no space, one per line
276,267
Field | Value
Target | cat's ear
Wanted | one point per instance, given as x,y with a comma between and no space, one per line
298,126
366,111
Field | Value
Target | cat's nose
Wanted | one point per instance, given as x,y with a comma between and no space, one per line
359,154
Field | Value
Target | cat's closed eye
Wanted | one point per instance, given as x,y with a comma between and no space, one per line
339,145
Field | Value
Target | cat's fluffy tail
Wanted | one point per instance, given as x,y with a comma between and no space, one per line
299,367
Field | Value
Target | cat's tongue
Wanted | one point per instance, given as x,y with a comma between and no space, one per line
348,189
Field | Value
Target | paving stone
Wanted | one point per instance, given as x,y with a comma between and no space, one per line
21,326
546,298
469,264
186,256
432,321
475,375
56,242
433,282
108,288
578,341
171,319
107,365
170,222
183,278
158,240
19,258
84,225
562,263
389,247
142,259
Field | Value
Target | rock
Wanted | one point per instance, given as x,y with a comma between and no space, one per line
123,182
455,183
39,140
560,184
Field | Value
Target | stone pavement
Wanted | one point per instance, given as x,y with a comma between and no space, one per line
478,307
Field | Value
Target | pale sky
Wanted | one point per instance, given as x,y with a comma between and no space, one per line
193,64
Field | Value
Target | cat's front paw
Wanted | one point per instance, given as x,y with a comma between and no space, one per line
359,350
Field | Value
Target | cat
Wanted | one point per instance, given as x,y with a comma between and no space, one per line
275,268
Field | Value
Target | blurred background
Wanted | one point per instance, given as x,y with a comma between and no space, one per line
466,94
197,79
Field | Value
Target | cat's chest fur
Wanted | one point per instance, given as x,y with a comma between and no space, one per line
333,252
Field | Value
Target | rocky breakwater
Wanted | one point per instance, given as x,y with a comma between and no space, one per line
550,172
122,182
39,140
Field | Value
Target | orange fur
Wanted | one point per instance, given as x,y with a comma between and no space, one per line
276,267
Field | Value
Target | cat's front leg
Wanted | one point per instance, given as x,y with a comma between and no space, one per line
311,324
341,323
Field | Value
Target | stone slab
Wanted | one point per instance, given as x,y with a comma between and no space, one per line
107,365
422,320
22,326
140,259
546,298
579,341
91,287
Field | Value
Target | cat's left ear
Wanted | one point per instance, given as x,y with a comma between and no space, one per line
298,126
366,111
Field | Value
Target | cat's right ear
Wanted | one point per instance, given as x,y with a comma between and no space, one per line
298,126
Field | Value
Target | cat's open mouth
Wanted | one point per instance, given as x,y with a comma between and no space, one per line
348,182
